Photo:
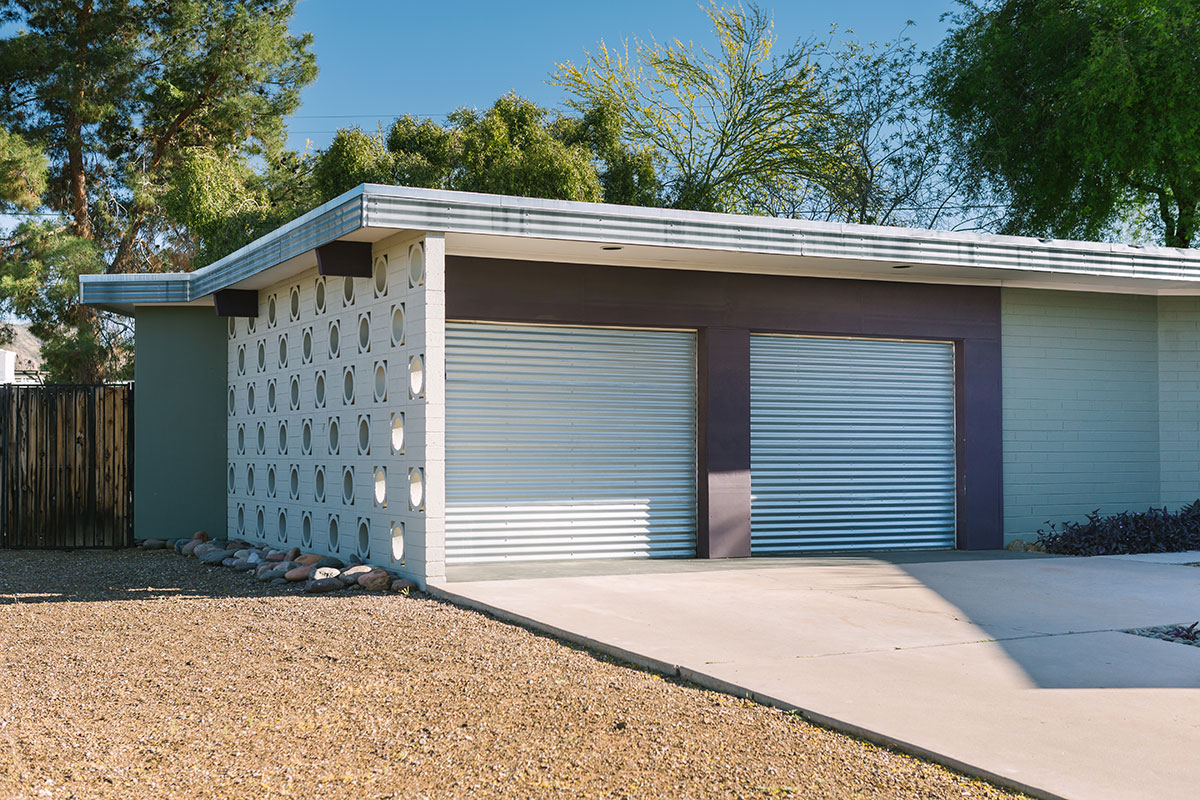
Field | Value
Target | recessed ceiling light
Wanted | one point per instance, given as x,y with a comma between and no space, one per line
611,247
902,266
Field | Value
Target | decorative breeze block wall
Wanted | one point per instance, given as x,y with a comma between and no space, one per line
336,407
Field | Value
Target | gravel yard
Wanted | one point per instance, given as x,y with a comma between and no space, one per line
148,675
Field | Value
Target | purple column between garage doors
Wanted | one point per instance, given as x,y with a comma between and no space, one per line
725,308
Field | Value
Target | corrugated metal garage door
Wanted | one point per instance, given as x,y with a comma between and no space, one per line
569,443
851,444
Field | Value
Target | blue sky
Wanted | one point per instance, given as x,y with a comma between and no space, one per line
382,58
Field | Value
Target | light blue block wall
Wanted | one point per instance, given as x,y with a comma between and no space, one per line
1080,404
1179,399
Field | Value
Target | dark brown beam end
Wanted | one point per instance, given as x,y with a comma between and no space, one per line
236,302
345,259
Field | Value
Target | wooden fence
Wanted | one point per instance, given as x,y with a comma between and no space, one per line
66,460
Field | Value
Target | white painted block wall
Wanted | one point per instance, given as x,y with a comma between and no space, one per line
336,408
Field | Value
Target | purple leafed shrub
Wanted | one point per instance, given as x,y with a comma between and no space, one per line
1188,633
1154,530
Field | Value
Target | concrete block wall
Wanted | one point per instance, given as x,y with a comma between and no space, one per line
335,403
1179,399
1080,404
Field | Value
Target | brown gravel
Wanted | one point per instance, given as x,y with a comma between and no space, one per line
147,675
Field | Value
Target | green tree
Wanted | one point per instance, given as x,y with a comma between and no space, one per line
514,147
1078,115
731,130
151,115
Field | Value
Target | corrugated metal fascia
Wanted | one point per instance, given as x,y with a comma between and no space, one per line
287,242
324,224
453,212
141,288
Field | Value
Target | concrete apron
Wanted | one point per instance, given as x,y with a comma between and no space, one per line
1008,667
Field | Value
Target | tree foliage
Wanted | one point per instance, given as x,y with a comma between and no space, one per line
1077,114
732,129
151,115
515,147
895,170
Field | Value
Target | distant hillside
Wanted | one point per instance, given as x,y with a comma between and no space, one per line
28,348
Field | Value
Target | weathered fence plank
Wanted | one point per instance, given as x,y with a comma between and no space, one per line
66,464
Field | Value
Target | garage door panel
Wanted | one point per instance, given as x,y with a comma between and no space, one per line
569,443
852,444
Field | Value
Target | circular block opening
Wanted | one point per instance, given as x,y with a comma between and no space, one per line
294,393
262,438
283,438
232,325
335,340
250,398
381,487
294,303
364,539
271,396
232,401
398,324
251,324
381,276
319,485
348,291
306,345
320,296
241,439
241,519
333,534
250,479
271,481
416,488
348,485
348,386
306,530
364,334
294,483
241,359
380,382
271,311
333,436
398,542
283,526
320,390
306,437
232,480
260,523
397,433
416,265
262,356
416,376
364,435
283,351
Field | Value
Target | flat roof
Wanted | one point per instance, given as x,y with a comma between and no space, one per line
573,232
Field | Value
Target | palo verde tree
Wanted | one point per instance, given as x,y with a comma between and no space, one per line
1080,115
151,114
733,129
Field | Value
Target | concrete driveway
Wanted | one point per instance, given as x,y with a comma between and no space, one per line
1009,665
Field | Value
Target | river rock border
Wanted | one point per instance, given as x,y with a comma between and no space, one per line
316,573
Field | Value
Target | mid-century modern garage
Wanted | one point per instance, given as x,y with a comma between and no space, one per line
432,378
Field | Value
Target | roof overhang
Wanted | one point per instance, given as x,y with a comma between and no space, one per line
551,230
